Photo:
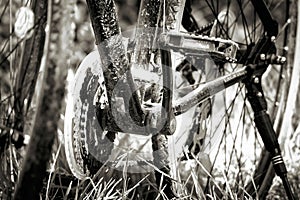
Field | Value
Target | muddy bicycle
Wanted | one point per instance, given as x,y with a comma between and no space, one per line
181,103
188,89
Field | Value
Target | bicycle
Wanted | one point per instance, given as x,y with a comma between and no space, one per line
259,53
75,164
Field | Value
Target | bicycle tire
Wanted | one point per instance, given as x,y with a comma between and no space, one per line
48,99
13,53
26,51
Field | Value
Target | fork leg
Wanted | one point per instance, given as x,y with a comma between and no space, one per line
160,160
265,128
113,57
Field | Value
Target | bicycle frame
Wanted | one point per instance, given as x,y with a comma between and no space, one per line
114,59
113,55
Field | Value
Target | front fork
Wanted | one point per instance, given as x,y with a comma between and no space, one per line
264,126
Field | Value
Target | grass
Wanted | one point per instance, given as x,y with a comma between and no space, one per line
110,183
115,184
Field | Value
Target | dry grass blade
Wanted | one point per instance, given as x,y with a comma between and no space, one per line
136,185
206,172
228,189
155,168
68,190
52,169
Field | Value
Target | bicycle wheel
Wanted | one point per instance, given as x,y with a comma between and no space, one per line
224,135
23,44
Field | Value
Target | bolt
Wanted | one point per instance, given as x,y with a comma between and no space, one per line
273,39
282,60
173,125
286,48
256,80
262,56
259,94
